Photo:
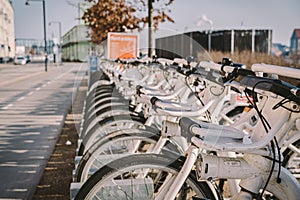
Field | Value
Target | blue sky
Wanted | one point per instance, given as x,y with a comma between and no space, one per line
282,16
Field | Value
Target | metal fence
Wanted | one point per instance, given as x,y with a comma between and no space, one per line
191,43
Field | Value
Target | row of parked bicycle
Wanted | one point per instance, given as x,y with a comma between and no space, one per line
178,129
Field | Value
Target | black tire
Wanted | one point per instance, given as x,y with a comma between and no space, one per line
98,114
101,145
102,125
289,157
157,168
115,140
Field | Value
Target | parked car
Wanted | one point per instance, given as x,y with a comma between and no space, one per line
20,60
6,60
28,58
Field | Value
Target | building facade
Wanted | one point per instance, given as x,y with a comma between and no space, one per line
295,42
7,31
76,44
33,46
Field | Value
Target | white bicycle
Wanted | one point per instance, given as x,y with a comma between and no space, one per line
156,176
135,140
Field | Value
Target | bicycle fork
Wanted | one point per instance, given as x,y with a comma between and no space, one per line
251,171
213,163
192,152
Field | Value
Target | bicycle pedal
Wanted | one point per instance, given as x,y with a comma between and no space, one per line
198,198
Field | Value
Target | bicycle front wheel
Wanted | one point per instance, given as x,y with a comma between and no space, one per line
142,176
112,146
291,160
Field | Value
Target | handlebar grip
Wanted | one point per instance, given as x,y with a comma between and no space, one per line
153,100
210,65
186,125
165,61
180,61
245,72
218,67
138,90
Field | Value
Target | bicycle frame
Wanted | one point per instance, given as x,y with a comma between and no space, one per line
253,168
257,164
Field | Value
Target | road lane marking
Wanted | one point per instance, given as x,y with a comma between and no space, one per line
21,98
17,190
11,164
7,107
28,172
37,89
9,82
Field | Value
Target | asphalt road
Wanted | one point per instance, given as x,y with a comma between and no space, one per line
33,105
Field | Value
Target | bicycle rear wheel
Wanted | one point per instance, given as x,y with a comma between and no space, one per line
142,176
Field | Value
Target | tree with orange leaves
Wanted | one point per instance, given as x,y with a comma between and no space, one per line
120,15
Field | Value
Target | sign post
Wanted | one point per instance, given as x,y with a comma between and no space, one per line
93,63
93,66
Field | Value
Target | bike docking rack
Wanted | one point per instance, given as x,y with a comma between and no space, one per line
105,103
154,106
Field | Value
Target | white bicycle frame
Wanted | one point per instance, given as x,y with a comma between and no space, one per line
253,168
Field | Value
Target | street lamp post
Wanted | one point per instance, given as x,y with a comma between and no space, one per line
60,51
45,34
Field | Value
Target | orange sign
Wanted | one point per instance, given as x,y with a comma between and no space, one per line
122,45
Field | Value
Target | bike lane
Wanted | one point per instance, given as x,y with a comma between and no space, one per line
32,112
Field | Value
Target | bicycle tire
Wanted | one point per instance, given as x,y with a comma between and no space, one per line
156,162
289,157
101,128
101,146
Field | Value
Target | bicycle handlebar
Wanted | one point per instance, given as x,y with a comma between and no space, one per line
279,70
276,86
210,65
233,68
177,111
165,61
167,104
180,61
